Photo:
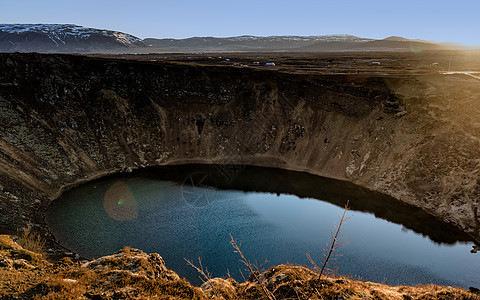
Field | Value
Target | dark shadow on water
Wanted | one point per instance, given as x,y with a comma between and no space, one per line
337,192
157,210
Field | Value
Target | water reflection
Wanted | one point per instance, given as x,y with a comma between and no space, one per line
304,185
185,218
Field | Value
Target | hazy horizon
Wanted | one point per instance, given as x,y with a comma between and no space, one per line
439,21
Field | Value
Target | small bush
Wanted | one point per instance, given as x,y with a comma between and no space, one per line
31,240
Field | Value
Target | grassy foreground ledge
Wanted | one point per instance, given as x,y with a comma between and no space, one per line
133,274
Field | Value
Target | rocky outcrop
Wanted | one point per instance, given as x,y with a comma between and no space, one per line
68,119
14,256
135,262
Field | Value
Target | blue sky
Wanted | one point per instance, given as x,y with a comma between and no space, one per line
443,21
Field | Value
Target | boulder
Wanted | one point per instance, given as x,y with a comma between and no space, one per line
137,262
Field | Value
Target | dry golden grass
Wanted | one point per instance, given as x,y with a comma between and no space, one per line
69,280
30,240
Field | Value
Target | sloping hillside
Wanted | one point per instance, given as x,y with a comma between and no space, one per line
63,38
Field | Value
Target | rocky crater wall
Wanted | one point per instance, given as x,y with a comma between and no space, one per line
68,119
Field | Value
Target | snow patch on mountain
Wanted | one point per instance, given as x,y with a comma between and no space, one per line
280,38
58,33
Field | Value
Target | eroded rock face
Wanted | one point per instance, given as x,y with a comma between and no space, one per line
68,119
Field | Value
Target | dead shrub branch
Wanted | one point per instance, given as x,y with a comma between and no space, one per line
206,276
255,272
335,243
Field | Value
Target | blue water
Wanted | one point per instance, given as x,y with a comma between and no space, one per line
179,221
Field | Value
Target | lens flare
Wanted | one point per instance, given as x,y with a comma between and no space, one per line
119,202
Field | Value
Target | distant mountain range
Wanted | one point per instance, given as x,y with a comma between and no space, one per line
64,38
68,38
248,43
